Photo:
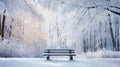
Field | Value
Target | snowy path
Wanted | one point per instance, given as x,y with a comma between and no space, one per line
41,62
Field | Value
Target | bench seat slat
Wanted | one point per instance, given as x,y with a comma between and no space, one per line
59,50
59,54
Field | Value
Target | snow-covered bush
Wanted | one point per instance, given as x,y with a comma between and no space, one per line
9,48
100,54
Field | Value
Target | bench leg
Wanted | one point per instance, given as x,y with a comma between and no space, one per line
48,58
71,57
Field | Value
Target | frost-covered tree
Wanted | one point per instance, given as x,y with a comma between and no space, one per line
85,25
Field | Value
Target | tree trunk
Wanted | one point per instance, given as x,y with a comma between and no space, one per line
111,32
105,39
10,31
117,36
84,45
0,26
94,45
100,32
3,26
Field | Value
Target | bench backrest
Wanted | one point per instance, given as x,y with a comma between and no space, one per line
59,52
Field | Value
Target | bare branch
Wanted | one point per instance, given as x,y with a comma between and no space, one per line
115,7
115,12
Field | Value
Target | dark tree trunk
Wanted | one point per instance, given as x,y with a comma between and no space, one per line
90,39
105,43
0,26
3,26
84,45
111,32
87,44
100,29
94,45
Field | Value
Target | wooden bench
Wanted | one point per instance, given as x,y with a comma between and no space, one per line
59,52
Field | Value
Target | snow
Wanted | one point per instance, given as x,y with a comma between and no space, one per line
10,48
100,54
40,24
42,62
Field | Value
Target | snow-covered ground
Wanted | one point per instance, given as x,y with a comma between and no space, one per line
42,62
